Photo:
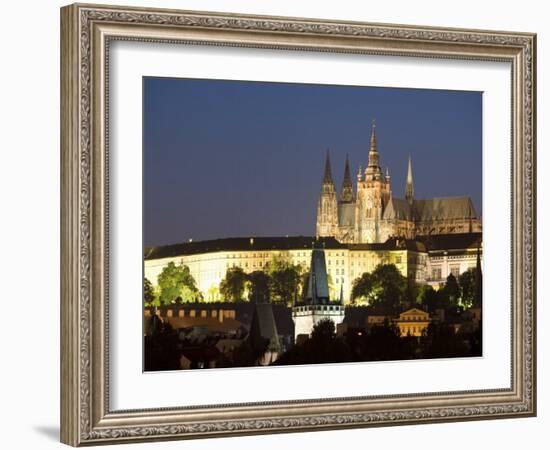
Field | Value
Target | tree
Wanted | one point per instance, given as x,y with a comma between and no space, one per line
161,349
390,285
285,278
258,286
233,286
323,346
148,293
451,291
431,300
285,284
440,341
362,289
466,281
176,282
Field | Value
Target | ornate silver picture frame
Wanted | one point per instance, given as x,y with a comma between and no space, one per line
87,32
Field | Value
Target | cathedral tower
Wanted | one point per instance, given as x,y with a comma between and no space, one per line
327,208
373,193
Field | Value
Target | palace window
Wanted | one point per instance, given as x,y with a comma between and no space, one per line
436,273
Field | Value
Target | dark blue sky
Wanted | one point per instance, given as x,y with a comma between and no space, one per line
232,158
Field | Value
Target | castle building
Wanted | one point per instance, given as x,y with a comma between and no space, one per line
374,214
317,304
426,239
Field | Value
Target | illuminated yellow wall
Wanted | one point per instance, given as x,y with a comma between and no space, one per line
343,266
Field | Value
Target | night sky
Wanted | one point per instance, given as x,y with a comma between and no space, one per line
237,158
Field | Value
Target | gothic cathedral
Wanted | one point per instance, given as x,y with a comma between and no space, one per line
373,214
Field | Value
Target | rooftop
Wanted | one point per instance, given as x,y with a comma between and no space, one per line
435,242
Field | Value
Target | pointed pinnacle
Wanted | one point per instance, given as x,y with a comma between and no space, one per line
327,178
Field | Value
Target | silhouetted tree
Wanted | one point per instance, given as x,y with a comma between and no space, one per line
258,286
233,285
323,346
161,349
148,293
451,291
362,289
441,341
466,280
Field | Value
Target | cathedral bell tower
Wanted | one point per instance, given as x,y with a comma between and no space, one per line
373,193
327,208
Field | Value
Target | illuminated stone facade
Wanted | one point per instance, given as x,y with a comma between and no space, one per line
374,215
413,322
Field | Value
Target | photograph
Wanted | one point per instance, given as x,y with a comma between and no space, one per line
292,223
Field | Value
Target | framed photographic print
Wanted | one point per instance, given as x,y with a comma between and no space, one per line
275,224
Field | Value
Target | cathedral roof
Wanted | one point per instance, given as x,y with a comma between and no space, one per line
430,209
397,208
444,208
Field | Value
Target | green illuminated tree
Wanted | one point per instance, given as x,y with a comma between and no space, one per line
384,287
177,283
286,278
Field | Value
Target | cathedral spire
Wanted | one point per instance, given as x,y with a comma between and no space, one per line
327,178
373,147
409,190
373,171
346,196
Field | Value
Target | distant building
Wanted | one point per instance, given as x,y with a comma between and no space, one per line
374,214
316,304
413,322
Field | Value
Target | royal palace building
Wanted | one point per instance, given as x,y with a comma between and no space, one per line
426,259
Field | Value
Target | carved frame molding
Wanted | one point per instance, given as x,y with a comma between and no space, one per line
86,31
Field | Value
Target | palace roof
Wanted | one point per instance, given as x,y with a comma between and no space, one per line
241,244
434,242
452,241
